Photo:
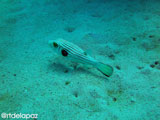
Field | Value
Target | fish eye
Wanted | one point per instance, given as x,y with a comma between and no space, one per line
64,52
55,44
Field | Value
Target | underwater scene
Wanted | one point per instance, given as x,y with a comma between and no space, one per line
80,59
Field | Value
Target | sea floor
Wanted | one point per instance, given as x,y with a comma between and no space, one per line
122,33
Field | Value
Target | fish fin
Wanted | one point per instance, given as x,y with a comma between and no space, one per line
107,70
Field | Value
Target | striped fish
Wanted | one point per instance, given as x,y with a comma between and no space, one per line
72,51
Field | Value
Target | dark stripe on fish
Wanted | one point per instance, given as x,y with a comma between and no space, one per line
74,52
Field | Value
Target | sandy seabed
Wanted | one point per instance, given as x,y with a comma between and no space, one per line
122,33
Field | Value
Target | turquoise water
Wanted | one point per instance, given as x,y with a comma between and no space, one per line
122,33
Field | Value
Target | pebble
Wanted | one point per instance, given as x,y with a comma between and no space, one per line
152,66
14,74
156,62
65,71
140,67
69,29
67,82
114,99
134,39
112,57
75,93
118,67
151,36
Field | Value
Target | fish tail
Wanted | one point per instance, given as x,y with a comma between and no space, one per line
107,70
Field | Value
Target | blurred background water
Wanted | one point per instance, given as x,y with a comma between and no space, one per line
122,33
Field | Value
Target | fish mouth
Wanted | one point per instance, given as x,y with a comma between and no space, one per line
50,42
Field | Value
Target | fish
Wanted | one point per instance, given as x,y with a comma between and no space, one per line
72,51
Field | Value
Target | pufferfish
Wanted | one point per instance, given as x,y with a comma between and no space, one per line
72,51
